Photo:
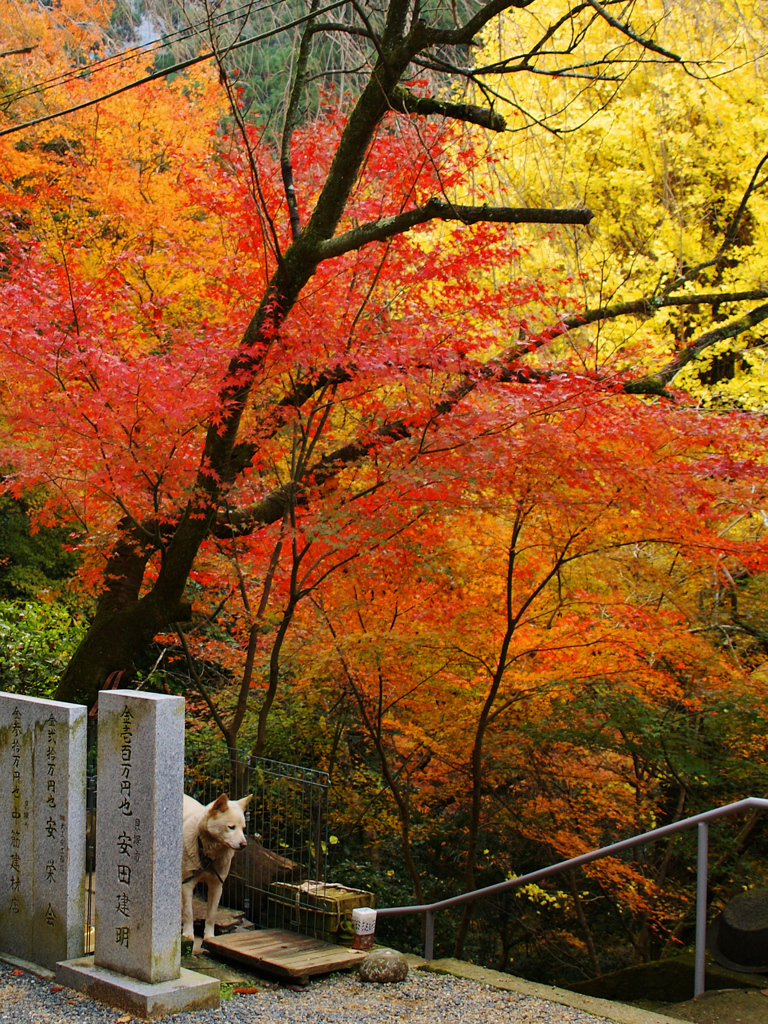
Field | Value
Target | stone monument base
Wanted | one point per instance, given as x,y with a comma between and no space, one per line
190,991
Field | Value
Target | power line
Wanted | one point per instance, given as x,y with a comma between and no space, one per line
135,52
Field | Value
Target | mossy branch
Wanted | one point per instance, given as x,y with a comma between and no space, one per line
407,103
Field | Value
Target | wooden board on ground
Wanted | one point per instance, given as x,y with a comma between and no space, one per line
284,954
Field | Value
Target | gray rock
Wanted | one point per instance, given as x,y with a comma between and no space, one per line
384,966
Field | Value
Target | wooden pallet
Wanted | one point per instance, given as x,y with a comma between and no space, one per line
284,954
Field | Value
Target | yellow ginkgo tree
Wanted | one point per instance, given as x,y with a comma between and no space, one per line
673,160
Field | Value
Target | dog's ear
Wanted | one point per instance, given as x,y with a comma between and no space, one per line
220,804
245,800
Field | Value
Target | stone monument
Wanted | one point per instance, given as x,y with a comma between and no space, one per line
42,828
136,964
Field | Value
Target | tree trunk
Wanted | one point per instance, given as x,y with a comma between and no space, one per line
111,644
122,627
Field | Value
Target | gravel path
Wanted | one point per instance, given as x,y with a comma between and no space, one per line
339,999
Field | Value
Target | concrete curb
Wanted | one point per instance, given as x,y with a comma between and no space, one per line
27,965
611,1011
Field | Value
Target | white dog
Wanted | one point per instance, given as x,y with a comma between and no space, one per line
210,836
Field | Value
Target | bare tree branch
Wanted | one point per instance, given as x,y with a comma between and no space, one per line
14,53
407,103
291,122
438,209
467,32
648,306
729,236
655,383
647,44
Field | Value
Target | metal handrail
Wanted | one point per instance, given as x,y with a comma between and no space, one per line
700,820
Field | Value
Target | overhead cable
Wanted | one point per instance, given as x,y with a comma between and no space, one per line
136,52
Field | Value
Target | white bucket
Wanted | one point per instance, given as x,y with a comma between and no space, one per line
364,920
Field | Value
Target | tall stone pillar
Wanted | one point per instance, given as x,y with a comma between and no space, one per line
136,964
42,828
138,836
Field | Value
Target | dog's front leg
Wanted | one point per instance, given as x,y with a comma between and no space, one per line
187,920
214,895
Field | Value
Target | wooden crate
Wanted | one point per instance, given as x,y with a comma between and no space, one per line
318,908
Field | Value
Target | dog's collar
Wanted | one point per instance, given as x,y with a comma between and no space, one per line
206,864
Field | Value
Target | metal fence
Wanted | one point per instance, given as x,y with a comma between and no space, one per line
90,831
278,880
287,831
